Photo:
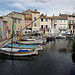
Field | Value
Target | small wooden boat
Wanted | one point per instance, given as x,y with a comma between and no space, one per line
31,42
18,52
23,39
39,47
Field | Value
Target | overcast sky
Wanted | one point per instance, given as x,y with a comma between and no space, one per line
49,7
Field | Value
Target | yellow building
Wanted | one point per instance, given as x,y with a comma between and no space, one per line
35,14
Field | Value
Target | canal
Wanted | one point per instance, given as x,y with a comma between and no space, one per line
55,59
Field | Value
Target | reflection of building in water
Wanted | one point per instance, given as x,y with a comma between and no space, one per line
69,45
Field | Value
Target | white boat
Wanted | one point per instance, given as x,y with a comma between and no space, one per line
38,40
18,52
31,42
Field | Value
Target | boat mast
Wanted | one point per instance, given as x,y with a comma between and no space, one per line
12,34
20,36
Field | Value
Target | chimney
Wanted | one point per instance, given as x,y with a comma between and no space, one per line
73,14
42,15
53,15
45,15
59,14
36,10
28,9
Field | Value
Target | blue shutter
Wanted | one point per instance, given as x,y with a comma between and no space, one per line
34,18
34,24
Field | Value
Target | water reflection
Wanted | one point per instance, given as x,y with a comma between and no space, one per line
55,59
24,58
63,50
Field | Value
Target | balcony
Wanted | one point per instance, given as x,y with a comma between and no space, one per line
62,28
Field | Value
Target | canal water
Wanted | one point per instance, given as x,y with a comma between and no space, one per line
55,59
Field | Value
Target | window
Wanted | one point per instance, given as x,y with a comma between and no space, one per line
34,18
19,21
46,20
69,16
64,21
69,21
25,31
34,24
15,20
73,27
73,16
27,20
60,21
55,20
69,27
54,26
41,26
28,31
5,25
46,26
42,20
34,13
72,21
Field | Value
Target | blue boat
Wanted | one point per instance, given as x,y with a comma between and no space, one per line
23,46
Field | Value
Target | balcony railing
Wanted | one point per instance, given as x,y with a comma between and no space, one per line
71,23
62,28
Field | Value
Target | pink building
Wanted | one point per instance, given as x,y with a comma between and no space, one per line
59,24
45,24
28,20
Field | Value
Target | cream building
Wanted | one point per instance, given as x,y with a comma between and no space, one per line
14,19
71,22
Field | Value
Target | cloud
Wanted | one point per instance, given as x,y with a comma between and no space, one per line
42,1
49,7
17,5
4,12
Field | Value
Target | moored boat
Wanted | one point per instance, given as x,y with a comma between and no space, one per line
39,47
31,42
18,52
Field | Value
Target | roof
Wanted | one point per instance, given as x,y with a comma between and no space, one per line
13,12
67,15
34,11
59,17
30,11
53,17
43,17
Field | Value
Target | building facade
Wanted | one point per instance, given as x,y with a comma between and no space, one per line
13,19
35,15
71,22
45,24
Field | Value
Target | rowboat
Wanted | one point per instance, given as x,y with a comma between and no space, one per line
39,47
31,42
23,39
18,52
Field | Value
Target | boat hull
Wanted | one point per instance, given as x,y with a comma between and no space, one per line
18,52
39,47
